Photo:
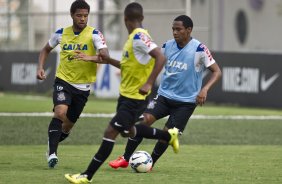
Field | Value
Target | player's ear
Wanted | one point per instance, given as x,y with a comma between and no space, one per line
141,18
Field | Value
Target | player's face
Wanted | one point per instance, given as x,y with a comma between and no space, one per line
80,19
180,33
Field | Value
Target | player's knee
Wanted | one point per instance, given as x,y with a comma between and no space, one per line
148,119
110,133
128,133
59,114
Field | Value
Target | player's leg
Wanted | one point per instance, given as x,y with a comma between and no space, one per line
119,123
155,108
61,100
66,128
99,158
78,102
180,114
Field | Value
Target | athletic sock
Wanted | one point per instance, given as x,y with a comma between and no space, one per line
151,133
99,158
54,134
132,144
158,150
63,136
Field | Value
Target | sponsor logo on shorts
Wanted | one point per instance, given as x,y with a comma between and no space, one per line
60,88
117,124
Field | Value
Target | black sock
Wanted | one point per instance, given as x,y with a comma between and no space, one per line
158,150
151,133
63,136
54,134
132,144
99,158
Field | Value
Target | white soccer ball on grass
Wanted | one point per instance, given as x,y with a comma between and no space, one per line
141,162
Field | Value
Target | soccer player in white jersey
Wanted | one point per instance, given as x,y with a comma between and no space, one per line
180,89
73,76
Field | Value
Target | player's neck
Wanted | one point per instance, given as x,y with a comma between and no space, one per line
184,42
133,25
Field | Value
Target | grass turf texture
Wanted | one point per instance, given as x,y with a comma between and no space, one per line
212,151
193,165
32,103
33,131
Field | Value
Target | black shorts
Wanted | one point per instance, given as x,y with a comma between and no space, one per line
128,112
64,93
179,112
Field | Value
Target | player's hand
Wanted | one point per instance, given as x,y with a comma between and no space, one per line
145,89
82,56
41,74
103,57
201,98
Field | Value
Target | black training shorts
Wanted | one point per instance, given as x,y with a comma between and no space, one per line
179,112
128,112
64,93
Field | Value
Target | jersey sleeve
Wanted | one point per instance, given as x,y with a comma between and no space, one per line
99,40
205,55
56,38
143,43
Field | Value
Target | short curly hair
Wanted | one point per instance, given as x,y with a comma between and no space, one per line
79,4
134,11
187,21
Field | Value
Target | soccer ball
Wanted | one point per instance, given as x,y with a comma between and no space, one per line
141,161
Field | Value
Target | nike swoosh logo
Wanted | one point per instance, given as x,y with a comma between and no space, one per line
265,84
170,74
70,57
135,158
118,125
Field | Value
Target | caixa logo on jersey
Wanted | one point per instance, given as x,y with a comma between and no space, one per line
247,80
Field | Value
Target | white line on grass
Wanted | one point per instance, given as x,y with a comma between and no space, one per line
110,115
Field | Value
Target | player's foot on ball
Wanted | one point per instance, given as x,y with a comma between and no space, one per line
119,162
174,142
52,160
77,178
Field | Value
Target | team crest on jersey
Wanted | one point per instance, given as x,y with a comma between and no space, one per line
61,96
151,104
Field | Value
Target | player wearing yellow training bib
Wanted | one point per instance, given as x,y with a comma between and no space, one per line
141,62
73,76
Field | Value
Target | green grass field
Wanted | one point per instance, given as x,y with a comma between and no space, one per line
194,165
213,151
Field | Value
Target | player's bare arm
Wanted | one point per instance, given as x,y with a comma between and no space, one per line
42,58
85,57
108,60
215,76
159,63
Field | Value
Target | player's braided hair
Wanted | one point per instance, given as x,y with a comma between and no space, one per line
79,4
187,21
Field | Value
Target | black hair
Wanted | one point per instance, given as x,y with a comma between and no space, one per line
134,11
79,4
187,21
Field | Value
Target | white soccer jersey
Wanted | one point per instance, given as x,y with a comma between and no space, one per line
142,45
